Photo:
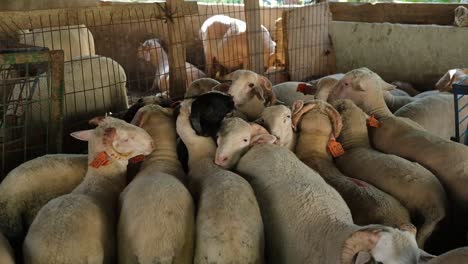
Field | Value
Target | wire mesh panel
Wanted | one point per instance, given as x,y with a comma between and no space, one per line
31,90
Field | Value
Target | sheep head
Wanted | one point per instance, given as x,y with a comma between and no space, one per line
454,75
251,92
156,120
354,122
234,139
118,139
316,117
385,244
277,120
362,86
201,86
208,111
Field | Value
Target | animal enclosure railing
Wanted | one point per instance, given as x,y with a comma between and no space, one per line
31,90
460,89
115,54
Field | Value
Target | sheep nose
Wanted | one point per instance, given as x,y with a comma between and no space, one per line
221,160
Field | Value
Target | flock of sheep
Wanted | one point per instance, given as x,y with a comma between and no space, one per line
345,169
233,174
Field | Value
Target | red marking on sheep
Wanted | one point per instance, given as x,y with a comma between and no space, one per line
358,183
305,88
102,159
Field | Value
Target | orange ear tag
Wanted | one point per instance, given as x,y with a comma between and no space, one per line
335,148
373,122
137,159
102,159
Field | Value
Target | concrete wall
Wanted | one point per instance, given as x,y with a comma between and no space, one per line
415,53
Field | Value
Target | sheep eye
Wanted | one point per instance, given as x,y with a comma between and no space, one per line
346,84
251,85
245,140
288,116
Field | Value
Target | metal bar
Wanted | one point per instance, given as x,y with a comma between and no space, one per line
56,101
455,105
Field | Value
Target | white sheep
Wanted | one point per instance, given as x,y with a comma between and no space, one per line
74,40
225,42
6,252
235,137
447,160
318,124
307,221
277,119
201,86
80,226
156,223
410,183
229,226
31,185
251,92
92,85
152,51
289,92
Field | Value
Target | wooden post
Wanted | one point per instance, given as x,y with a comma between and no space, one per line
176,32
254,36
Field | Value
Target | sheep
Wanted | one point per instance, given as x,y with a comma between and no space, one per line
31,185
288,92
225,42
318,123
410,183
444,84
447,160
435,114
200,86
228,222
307,221
6,253
208,110
156,222
456,256
277,119
93,85
406,87
461,16
80,226
74,40
251,92
235,137
152,51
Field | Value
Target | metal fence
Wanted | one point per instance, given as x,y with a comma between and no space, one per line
114,54
31,90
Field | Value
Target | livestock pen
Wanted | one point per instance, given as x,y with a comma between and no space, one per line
115,53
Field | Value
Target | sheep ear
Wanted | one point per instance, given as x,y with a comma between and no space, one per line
267,88
297,106
97,120
83,135
263,139
298,115
444,83
363,258
335,119
140,118
168,111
